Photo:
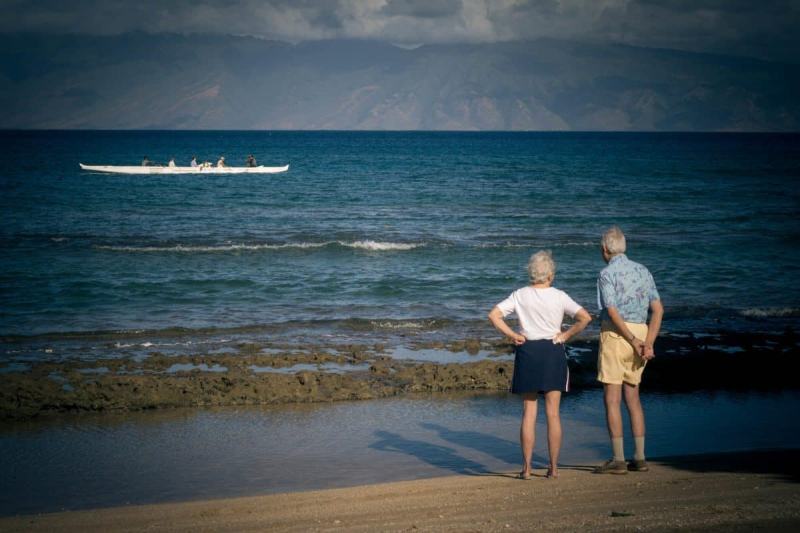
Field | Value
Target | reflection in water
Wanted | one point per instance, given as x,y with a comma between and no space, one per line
325,368
95,460
443,356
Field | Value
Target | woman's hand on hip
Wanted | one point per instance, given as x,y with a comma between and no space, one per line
560,338
518,339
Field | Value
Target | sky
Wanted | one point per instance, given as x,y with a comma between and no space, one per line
766,29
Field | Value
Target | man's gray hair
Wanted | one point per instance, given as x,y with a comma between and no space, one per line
614,241
541,266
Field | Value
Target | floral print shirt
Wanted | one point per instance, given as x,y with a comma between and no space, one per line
627,286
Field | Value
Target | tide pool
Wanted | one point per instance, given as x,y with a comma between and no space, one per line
85,461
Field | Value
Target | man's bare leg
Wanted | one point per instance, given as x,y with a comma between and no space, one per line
612,396
636,414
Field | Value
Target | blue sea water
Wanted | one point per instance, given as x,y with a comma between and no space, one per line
374,233
102,460
369,237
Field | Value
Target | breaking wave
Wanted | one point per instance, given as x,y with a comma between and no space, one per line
374,246
366,244
771,312
533,245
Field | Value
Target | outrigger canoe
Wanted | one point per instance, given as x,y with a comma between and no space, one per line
184,170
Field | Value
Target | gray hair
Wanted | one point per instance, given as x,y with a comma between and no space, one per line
541,266
614,241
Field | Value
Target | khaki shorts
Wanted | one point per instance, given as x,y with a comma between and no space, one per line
617,362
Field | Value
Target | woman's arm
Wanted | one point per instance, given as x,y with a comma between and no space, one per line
496,317
582,319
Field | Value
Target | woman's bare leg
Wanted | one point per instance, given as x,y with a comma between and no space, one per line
552,404
526,430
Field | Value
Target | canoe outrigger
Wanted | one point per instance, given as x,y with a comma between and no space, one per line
184,170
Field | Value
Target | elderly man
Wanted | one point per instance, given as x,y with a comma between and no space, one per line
625,293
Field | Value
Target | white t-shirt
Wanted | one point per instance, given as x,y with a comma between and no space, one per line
540,311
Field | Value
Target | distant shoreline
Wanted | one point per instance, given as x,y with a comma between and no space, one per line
435,131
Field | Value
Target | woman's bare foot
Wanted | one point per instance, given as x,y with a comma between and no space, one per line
552,473
524,475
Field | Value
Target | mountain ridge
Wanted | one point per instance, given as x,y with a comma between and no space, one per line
141,81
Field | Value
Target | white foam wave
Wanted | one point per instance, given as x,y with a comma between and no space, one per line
534,246
376,246
771,312
505,245
400,325
194,249
148,344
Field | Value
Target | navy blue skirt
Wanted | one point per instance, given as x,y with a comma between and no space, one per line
540,366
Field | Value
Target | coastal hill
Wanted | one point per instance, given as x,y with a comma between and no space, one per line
142,81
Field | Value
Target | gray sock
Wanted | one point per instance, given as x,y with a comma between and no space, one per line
619,452
638,452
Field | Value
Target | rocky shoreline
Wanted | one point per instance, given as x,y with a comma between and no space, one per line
257,374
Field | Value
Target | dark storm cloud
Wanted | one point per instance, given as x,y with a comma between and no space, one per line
767,29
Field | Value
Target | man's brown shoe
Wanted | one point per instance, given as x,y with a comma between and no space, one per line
612,467
638,466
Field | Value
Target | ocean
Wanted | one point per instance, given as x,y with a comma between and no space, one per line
103,460
379,235
400,243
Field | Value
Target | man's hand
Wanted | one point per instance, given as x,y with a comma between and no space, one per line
638,346
648,352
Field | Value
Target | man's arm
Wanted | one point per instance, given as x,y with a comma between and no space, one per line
622,328
656,314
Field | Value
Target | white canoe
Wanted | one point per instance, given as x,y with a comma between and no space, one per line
184,170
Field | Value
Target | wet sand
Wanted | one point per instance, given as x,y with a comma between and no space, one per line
722,492
275,374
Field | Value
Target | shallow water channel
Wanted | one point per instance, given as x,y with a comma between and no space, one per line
92,460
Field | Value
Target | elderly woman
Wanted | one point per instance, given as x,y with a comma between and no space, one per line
540,363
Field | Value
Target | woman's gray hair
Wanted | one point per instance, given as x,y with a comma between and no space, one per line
614,241
541,266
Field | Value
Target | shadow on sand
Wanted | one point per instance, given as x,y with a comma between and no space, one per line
783,464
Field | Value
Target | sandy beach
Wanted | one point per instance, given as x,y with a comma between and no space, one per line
723,492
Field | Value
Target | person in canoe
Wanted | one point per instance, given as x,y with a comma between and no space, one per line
172,162
221,163
193,164
146,162
251,161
